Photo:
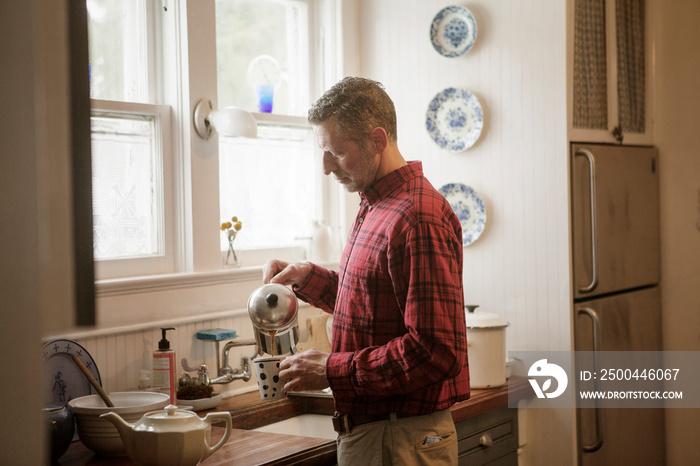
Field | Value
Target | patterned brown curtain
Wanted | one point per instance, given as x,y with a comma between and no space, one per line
629,16
590,65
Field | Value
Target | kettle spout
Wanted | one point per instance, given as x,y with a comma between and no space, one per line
124,428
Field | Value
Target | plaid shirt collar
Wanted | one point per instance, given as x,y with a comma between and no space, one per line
392,181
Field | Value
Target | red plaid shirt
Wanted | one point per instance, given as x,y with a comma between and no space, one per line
399,330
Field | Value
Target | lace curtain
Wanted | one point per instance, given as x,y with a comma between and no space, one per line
590,65
629,16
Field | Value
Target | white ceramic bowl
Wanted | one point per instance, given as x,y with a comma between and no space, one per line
99,435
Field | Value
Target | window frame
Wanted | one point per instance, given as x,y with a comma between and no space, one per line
300,251
203,156
156,264
187,64
324,35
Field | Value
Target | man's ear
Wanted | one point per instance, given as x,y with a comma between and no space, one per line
379,139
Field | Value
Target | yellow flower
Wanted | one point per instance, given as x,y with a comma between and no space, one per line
232,227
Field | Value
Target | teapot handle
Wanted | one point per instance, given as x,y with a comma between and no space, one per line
212,417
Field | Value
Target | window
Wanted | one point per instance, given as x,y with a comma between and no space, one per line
121,50
127,181
131,174
272,182
277,203
160,192
276,30
132,185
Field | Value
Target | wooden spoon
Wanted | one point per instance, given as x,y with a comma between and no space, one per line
94,382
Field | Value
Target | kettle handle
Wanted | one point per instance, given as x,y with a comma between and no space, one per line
212,417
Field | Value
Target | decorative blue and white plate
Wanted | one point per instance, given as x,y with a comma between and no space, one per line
468,207
454,119
453,31
65,381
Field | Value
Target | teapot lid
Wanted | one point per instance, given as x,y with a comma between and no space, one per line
169,419
170,412
273,307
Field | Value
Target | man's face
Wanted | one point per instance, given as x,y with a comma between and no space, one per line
352,166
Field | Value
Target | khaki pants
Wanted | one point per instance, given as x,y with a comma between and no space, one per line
401,441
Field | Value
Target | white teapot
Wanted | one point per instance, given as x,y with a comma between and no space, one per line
170,436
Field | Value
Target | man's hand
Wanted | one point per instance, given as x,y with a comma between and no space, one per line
276,271
305,371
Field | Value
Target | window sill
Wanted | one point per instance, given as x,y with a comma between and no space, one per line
277,119
165,282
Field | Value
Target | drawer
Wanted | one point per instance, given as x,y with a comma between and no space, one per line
491,438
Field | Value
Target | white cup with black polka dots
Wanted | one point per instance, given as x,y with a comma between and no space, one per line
268,372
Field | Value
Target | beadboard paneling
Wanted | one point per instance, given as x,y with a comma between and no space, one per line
519,268
121,354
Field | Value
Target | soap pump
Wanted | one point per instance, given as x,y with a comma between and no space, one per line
164,373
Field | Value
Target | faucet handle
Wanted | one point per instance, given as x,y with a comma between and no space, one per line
187,367
202,370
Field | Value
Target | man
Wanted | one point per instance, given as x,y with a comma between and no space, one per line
399,349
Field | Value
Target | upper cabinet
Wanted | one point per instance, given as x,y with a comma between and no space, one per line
610,72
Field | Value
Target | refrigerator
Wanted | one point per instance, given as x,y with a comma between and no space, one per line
616,296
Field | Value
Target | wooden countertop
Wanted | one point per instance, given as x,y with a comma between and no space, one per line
249,448
483,401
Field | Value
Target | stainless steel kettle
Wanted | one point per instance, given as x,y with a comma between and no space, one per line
273,311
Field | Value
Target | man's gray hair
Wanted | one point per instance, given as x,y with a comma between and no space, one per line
358,106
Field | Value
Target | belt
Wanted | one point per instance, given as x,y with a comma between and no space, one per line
345,422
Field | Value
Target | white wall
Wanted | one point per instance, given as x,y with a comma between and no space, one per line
677,110
35,251
519,268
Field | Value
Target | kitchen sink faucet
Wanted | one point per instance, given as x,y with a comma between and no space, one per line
225,373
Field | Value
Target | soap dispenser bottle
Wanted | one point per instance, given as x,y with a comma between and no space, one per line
164,373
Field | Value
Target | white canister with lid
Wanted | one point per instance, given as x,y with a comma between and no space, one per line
486,339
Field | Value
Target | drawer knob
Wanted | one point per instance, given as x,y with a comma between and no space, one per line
485,440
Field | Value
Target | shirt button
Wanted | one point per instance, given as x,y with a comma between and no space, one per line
360,220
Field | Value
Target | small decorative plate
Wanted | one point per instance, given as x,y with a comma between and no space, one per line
454,119
453,31
203,403
65,381
468,207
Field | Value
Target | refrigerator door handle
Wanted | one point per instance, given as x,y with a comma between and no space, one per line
595,446
594,225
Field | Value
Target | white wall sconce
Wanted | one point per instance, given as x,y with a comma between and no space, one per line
228,121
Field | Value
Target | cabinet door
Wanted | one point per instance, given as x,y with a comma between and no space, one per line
615,218
612,73
634,436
